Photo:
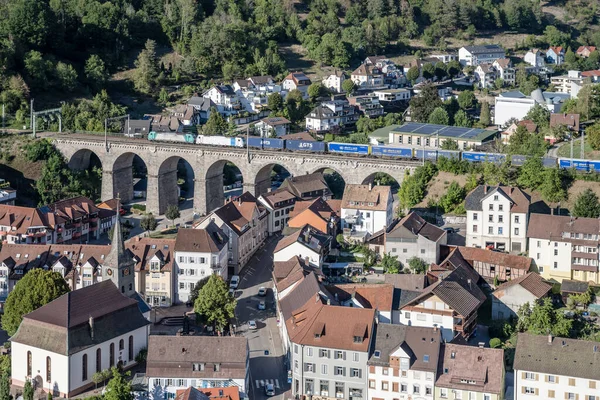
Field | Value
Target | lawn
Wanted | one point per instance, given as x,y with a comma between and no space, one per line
589,154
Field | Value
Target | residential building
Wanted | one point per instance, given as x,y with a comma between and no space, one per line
254,93
486,75
509,297
535,58
288,274
403,363
366,209
244,222
279,203
164,123
506,71
24,225
412,237
323,215
445,57
497,218
367,105
475,55
307,187
62,344
469,373
178,362
367,76
186,114
366,295
392,95
331,115
429,135
570,83
585,51
273,126
555,55
297,80
564,247
225,99
199,253
512,129
202,105
569,122
328,358
225,393
8,195
137,128
593,75
155,269
334,81
572,288
450,304
307,243
307,137
541,370
374,60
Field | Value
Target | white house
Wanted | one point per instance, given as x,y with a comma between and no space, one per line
505,70
486,74
279,203
535,58
178,362
366,209
512,295
555,55
475,55
273,126
334,81
565,247
497,218
511,105
331,115
404,362
225,99
391,95
367,76
541,370
307,243
61,345
199,253
296,80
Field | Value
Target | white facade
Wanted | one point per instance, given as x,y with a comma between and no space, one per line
427,316
506,72
570,83
392,95
334,82
486,75
475,55
227,103
553,258
530,385
301,250
384,384
369,221
508,107
194,266
496,225
278,215
535,58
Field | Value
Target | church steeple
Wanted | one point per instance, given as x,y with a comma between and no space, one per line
118,265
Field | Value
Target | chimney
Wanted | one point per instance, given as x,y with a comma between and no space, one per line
481,345
91,322
370,186
552,211
484,189
550,338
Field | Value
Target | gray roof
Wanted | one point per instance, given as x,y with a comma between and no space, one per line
420,343
118,255
516,94
201,103
211,239
407,281
306,289
63,325
139,125
226,89
403,296
485,48
520,199
414,225
570,286
557,356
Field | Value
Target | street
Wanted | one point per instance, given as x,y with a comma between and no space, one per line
267,363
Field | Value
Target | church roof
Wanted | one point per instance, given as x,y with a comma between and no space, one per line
117,255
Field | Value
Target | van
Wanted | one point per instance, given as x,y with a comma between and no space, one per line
234,282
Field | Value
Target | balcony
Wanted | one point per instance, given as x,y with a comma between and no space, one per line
76,235
37,234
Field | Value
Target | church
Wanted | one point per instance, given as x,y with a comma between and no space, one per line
62,344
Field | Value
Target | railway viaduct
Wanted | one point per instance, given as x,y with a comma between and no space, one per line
207,163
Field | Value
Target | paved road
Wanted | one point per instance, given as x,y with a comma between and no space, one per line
267,363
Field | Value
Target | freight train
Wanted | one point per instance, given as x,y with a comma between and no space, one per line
378,151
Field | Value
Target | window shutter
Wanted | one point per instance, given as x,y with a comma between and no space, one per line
536,377
576,396
566,396
556,379
371,369
522,375
523,389
537,391
545,378
344,355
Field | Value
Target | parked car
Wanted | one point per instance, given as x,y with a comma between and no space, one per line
262,291
269,389
262,305
234,282
252,325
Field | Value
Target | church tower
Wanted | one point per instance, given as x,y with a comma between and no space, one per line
118,266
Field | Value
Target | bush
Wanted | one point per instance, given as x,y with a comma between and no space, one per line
495,343
139,207
39,150
141,356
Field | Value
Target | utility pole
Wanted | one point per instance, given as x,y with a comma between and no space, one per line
583,144
31,117
247,146
571,150
3,118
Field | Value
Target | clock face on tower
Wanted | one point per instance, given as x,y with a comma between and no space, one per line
109,272
126,271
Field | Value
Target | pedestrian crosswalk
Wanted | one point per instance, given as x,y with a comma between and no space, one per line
263,382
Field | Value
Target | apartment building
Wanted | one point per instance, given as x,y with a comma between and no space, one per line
329,358
565,247
403,363
570,83
366,209
334,81
475,55
486,75
23,225
497,218
199,253
331,115
297,80
225,99
368,76
470,373
548,367
244,222
279,203
412,236
506,71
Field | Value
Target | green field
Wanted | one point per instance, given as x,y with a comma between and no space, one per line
588,152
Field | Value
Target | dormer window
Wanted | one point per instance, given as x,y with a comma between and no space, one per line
358,339
377,354
317,335
426,358
453,355
198,367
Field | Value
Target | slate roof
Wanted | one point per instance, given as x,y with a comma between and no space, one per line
531,282
173,356
63,325
483,49
226,89
277,196
316,240
418,342
362,195
562,356
211,239
201,103
520,199
416,225
301,184
569,286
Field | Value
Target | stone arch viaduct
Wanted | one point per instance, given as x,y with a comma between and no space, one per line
207,163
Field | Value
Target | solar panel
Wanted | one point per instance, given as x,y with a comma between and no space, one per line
441,130
427,129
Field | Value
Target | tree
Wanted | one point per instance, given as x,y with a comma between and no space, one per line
66,75
484,116
5,386
440,70
423,105
454,195
498,83
552,187
148,222
163,96
95,71
413,74
539,115
118,387
37,288
449,144
216,124
275,102
390,264
172,213
570,57
197,287
147,68
29,22
587,205
439,116
215,303
348,86
453,68
417,265
28,390
428,71
462,119
466,99
531,174
316,90
542,318
592,134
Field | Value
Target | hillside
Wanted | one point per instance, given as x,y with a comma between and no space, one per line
16,169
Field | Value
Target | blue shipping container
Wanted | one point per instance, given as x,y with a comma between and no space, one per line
482,157
549,162
579,165
255,142
594,166
429,154
348,148
449,153
273,143
305,145
391,151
